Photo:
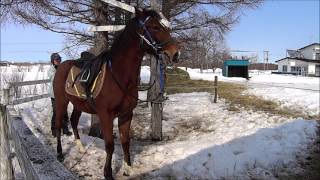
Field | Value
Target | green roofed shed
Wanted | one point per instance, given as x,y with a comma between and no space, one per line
236,68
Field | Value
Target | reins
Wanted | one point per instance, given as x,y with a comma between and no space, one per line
85,152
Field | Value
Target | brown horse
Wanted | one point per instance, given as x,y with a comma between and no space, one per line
147,32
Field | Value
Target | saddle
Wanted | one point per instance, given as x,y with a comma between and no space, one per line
85,78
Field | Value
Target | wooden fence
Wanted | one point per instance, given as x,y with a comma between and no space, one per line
16,139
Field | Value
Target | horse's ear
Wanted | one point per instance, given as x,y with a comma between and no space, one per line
138,12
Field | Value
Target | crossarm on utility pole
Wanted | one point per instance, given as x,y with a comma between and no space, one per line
120,5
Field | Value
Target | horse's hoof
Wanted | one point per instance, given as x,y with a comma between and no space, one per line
53,132
126,173
127,170
80,146
109,178
60,158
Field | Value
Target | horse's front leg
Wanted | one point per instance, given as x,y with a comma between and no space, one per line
106,121
124,130
74,123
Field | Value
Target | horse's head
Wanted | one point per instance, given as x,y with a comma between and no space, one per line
154,31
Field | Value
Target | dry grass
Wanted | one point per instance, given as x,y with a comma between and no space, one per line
231,92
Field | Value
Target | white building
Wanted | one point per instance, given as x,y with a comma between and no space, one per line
304,61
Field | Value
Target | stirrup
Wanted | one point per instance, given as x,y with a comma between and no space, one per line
85,79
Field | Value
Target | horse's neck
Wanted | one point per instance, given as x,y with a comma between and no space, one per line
126,64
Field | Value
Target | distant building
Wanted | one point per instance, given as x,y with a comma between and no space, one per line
236,68
304,61
4,63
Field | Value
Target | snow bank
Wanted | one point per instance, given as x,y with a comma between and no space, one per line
308,101
253,156
15,73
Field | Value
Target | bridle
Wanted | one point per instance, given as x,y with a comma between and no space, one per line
146,38
157,48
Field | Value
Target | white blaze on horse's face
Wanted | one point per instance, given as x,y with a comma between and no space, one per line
164,22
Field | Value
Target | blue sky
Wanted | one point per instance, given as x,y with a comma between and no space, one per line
28,43
275,26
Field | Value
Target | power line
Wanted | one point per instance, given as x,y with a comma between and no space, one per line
30,43
237,50
26,51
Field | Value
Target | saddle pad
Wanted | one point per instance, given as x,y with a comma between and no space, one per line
77,89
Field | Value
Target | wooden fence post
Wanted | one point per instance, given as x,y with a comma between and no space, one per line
95,130
153,94
157,107
6,170
6,96
215,89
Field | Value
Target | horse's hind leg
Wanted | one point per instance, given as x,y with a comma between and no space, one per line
124,123
61,110
74,123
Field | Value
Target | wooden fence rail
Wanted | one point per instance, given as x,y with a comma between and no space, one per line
27,83
29,99
33,157
7,92
35,161
6,170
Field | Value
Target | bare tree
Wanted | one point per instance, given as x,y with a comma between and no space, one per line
200,26
69,17
72,18
204,49
219,15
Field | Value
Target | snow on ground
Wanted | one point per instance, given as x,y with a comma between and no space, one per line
145,74
293,98
203,140
257,76
291,91
23,73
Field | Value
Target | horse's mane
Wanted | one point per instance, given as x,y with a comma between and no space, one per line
125,36
121,40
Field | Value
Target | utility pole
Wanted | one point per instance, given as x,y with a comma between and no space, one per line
156,4
101,43
155,92
266,60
